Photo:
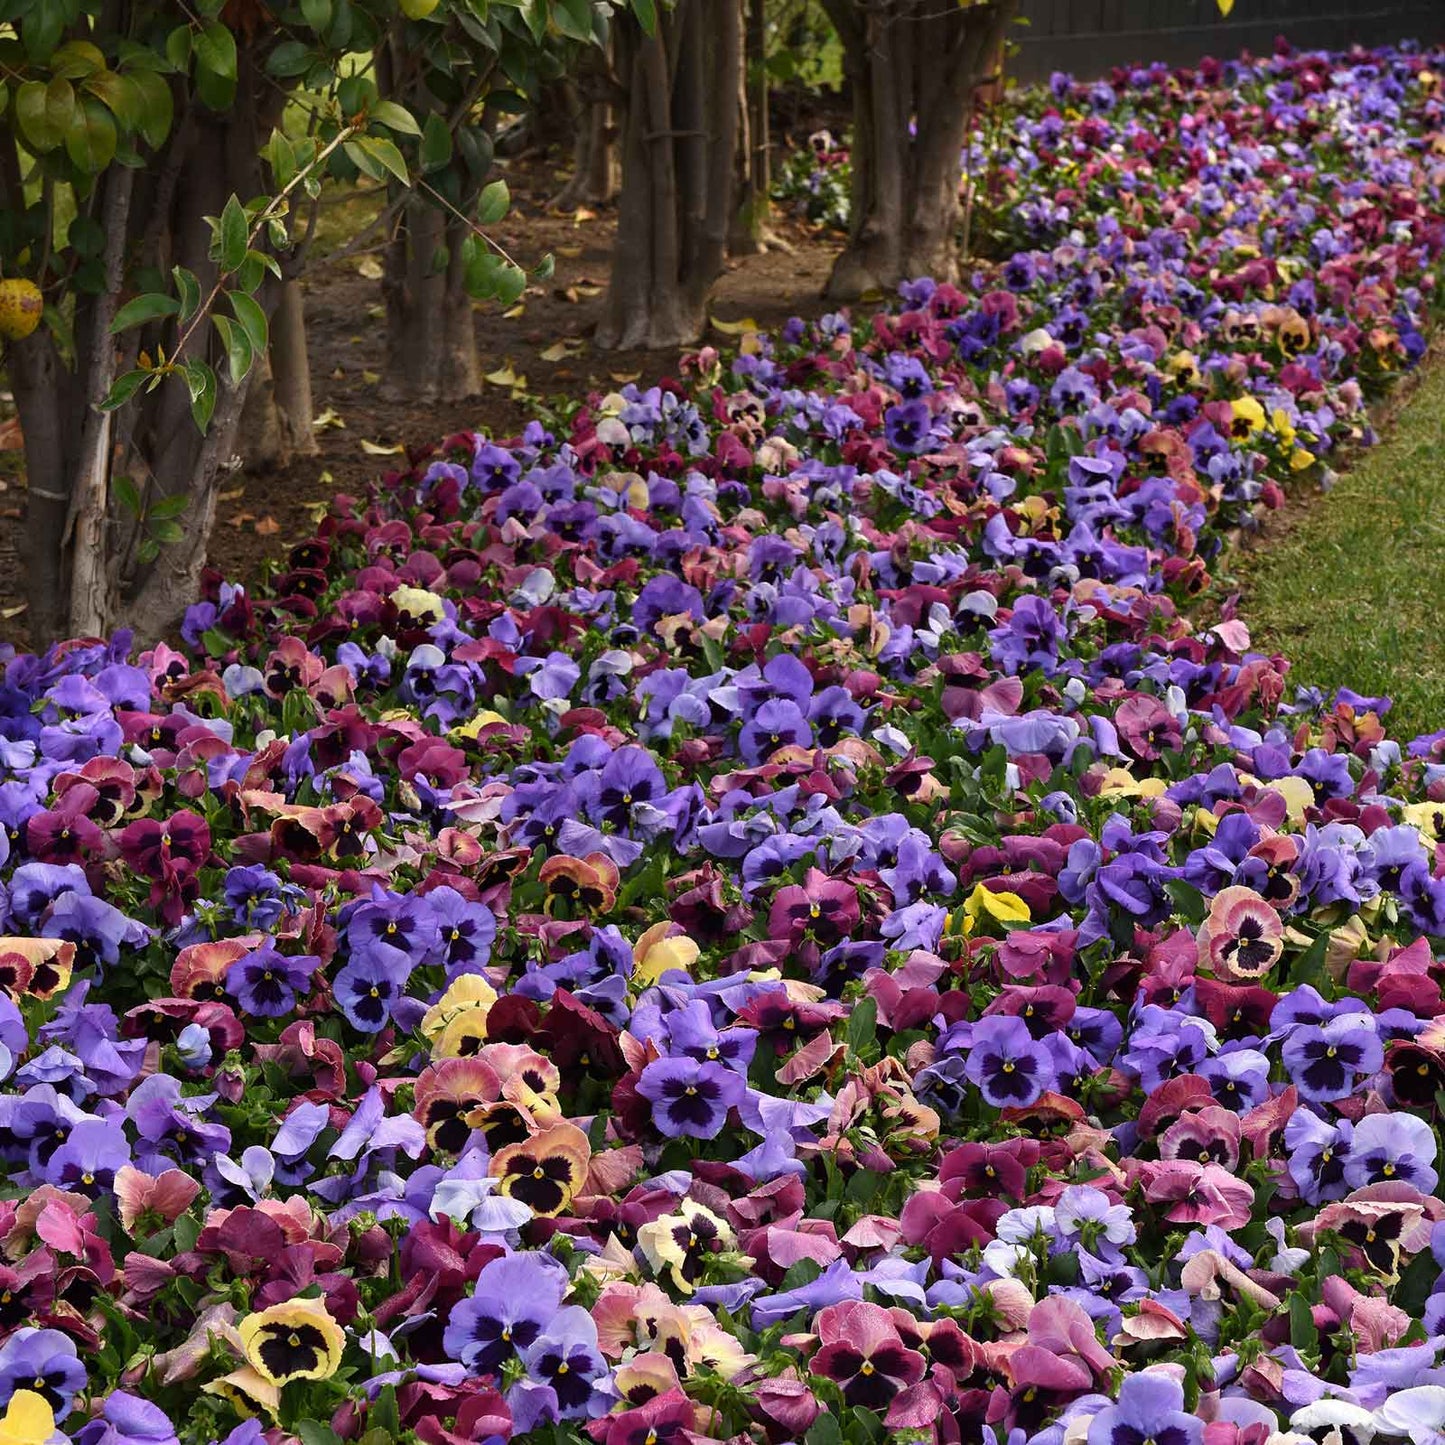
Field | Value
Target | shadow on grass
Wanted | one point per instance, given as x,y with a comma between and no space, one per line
1351,585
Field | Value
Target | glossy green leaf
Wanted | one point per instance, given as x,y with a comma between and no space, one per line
436,144
201,382
76,59
317,14
493,203
234,235
45,113
119,94
188,289
395,117
151,306
252,318
240,354
123,388
157,106
90,140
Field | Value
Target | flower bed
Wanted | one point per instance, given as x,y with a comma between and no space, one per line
752,914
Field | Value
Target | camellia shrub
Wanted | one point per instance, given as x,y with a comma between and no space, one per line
749,911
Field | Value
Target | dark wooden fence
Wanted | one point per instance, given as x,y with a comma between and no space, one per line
1088,37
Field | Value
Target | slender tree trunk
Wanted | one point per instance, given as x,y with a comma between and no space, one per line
39,380
90,602
431,347
755,170
259,436
913,69
680,134
291,373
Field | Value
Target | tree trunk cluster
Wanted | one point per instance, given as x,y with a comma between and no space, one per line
679,142
86,571
913,67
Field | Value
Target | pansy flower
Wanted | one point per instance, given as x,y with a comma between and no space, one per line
296,1340
680,1244
689,1097
1005,1062
544,1171
1241,938
862,1351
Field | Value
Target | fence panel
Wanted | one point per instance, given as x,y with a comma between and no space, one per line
1088,37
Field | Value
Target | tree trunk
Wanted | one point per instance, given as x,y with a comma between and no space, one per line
755,170
593,181
291,373
259,439
39,380
913,69
680,136
431,345
90,495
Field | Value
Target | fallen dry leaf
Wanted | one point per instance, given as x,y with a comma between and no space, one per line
624,376
268,526
379,449
515,311
370,267
240,519
329,419
231,495
10,436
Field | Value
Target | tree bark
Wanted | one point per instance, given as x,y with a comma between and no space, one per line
90,601
680,133
431,345
913,69
291,373
755,169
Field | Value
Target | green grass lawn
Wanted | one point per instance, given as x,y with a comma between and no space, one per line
1351,585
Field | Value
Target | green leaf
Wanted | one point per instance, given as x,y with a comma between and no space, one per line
168,508
511,282
825,1430
318,14
45,112
234,235
91,139
119,94
157,107
436,143
127,493
289,59
140,309
167,533
493,203
863,1024
215,48
240,355
188,288
1302,1332
646,12
148,551
201,383
573,18
178,47
317,1432
123,388
545,268
41,29
76,59
253,320
395,117
386,155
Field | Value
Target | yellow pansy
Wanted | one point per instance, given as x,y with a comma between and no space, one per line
658,951
1121,783
1297,794
1427,817
474,725
297,1340
1248,416
998,907
417,602
457,1022
28,1420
